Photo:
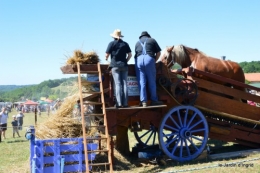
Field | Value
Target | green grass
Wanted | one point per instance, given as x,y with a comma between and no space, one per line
15,152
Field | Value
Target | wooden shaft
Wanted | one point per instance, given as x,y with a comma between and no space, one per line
105,118
83,120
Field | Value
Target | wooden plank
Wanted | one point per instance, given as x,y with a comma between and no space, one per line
196,72
219,130
92,103
247,136
226,90
84,68
233,107
137,107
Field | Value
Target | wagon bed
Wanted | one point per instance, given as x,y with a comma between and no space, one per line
228,117
217,107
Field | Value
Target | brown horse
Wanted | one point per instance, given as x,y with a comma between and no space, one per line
189,57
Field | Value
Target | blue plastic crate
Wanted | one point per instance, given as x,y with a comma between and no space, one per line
60,155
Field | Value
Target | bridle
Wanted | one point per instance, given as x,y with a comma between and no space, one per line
169,50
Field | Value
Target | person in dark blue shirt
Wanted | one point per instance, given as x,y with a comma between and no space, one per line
120,54
147,51
15,126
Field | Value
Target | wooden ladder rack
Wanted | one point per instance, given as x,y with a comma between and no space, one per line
103,114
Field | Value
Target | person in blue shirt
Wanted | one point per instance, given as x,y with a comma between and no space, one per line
15,126
120,54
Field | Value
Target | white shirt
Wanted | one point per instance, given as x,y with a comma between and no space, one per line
4,118
19,115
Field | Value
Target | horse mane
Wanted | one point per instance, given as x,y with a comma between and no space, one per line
180,54
196,50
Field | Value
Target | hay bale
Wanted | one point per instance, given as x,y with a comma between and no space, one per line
62,124
83,58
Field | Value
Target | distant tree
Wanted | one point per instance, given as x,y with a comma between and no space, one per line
250,67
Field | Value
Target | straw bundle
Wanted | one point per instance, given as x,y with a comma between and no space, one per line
83,58
61,124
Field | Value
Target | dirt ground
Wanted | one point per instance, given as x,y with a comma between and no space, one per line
131,163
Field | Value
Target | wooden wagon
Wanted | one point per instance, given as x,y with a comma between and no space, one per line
194,110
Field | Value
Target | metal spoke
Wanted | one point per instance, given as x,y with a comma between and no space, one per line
154,138
145,133
179,117
171,141
197,130
187,147
174,122
175,147
148,139
194,125
170,135
194,115
181,148
185,118
172,128
193,144
197,138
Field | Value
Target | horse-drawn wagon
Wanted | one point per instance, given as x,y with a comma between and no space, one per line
197,105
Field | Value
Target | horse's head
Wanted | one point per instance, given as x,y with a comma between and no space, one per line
175,54
167,57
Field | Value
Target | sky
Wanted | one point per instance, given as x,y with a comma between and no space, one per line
37,37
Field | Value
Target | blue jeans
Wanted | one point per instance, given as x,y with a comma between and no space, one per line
120,80
146,73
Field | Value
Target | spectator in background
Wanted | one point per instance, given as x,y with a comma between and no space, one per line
3,123
0,130
39,110
23,108
15,126
19,118
78,106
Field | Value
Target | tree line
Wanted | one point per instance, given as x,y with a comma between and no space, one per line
250,67
35,92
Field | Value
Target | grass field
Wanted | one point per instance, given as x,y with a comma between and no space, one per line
14,152
14,157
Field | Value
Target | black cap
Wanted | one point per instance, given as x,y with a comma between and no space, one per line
145,33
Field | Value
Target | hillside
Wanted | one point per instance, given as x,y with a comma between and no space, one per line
52,89
64,89
5,88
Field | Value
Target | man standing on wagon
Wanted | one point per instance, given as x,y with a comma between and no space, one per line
147,51
120,54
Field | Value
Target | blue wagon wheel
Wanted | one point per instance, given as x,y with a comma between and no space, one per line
183,133
147,137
